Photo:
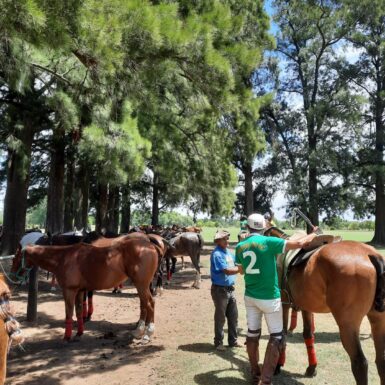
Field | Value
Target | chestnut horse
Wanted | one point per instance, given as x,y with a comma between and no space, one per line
10,333
346,279
82,267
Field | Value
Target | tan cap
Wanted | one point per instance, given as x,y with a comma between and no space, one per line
220,234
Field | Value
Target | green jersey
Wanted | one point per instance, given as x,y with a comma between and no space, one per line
257,255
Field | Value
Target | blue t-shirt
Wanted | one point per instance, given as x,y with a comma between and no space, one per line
221,259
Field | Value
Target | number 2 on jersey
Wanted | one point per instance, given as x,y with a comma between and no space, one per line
253,259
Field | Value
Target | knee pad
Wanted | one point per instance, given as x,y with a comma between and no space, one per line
253,335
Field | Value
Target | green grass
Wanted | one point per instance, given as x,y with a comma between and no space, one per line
360,236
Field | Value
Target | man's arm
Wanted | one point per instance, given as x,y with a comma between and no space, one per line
231,270
300,243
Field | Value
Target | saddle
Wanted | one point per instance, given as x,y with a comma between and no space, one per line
293,258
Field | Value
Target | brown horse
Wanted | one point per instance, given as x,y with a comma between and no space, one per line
346,279
83,267
10,333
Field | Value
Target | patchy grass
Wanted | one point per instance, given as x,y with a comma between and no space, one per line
193,360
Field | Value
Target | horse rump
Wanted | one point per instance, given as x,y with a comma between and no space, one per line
379,298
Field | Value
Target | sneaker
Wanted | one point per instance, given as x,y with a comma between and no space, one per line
220,348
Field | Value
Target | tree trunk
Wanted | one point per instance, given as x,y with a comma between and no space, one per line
126,210
69,212
155,201
101,208
55,199
15,203
379,228
116,210
313,182
82,198
248,176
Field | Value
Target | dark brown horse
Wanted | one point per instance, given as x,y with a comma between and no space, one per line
82,267
10,333
346,279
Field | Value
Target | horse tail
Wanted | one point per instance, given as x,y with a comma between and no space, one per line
379,298
201,241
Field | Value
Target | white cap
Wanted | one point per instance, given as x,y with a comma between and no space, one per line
256,221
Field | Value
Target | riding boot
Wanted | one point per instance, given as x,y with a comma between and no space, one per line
273,351
252,346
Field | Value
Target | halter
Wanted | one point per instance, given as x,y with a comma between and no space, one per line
19,277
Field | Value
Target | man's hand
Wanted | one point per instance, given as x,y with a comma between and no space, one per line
231,270
301,243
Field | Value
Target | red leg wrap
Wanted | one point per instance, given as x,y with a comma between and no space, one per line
90,307
293,320
53,281
169,276
312,324
80,326
68,329
311,351
282,358
120,286
84,309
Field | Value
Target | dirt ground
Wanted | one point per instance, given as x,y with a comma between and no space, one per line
181,352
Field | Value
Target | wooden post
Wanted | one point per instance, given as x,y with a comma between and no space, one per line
33,289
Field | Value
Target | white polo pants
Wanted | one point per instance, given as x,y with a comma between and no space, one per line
270,308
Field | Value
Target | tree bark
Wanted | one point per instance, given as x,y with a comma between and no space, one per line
82,198
313,176
116,210
155,201
248,176
69,212
55,199
379,227
126,210
15,203
101,207
112,219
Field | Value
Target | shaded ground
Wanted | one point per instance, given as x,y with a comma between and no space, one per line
181,352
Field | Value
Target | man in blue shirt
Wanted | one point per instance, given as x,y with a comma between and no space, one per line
223,272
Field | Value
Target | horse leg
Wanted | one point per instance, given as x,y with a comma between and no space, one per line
173,267
350,338
85,306
183,265
293,321
308,336
168,269
150,319
90,296
69,300
377,323
282,356
79,312
141,325
195,262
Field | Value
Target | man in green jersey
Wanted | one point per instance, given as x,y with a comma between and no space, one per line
256,259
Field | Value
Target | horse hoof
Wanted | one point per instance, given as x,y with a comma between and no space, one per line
311,371
290,333
65,340
137,334
77,338
145,340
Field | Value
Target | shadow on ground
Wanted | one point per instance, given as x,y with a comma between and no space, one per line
104,347
237,364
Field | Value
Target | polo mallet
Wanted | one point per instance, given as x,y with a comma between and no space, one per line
297,211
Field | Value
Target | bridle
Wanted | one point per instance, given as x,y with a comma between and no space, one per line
22,273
